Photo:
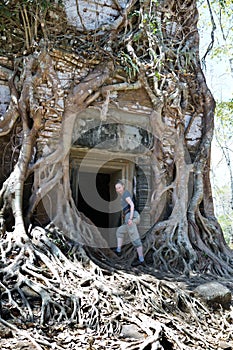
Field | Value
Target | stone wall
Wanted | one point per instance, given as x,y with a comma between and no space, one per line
92,14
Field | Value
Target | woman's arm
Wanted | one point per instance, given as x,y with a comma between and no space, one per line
131,204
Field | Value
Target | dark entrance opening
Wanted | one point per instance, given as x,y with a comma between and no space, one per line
99,218
95,196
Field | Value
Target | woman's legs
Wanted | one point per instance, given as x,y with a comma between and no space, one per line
120,237
133,233
140,253
136,240
119,244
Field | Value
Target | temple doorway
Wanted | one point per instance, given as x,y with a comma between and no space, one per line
96,206
93,174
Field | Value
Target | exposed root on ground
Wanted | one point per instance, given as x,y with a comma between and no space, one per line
54,296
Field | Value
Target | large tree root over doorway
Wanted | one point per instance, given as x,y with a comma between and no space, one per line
53,296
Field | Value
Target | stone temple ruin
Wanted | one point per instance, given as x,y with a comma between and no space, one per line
106,145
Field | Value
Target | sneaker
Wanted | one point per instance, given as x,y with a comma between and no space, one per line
138,263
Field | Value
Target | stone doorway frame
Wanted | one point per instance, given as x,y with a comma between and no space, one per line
118,165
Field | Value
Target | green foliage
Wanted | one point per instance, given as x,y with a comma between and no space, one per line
130,66
216,19
24,22
135,13
222,14
43,4
224,211
224,120
223,188
225,222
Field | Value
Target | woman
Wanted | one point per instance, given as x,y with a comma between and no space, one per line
131,220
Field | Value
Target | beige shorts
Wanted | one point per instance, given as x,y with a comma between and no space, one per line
131,230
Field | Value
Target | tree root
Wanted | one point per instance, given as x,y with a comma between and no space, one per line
45,284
